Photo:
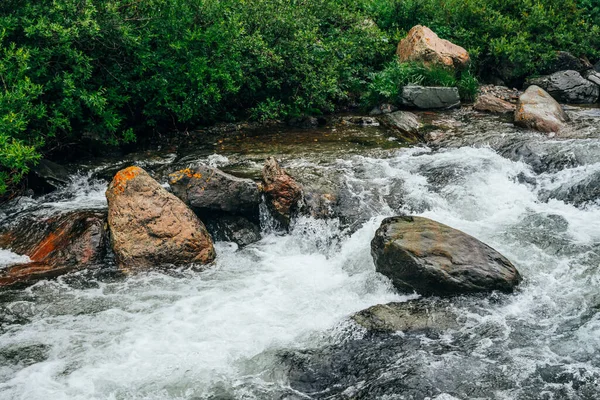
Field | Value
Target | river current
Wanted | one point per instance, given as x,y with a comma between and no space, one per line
271,320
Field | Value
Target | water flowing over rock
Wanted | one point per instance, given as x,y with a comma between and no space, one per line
55,246
422,255
405,123
568,87
491,103
282,192
410,316
430,97
150,226
47,176
422,44
209,189
536,109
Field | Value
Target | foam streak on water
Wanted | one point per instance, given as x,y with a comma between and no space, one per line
188,335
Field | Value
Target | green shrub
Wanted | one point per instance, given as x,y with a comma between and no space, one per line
386,85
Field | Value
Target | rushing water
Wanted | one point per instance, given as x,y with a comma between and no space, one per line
239,329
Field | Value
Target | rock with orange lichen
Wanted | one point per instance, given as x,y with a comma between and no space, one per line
57,245
422,255
208,190
150,226
282,192
536,109
421,44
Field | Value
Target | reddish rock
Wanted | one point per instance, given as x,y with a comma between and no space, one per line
56,246
491,103
282,192
423,45
150,226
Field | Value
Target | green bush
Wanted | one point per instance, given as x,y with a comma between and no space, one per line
386,85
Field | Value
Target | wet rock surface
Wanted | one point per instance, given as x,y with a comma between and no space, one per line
429,97
150,226
422,255
207,189
55,246
405,123
422,44
537,110
491,103
409,316
568,87
283,194
233,228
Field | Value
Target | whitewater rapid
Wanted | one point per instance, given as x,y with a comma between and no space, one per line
213,334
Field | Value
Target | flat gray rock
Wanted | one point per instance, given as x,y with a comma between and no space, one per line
425,97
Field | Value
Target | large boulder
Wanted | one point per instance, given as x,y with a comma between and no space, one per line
536,109
282,192
568,87
422,255
55,246
405,123
423,45
491,103
410,316
430,97
207,189
150,226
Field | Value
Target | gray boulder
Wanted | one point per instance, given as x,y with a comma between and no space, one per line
404,122
430,97
411,316
597,67
568,87
207,189
422,255
536,109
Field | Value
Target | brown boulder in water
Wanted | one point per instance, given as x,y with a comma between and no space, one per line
282,192
56,246
422,255
150,226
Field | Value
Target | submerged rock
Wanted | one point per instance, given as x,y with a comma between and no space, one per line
410,316
430,97
208,189
55,246
422,255
536,109
578,193
423,45
233,228
568,87
150,226
282,192
491,103
404,122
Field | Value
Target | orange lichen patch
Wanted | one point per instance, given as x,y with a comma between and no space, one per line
179,175
123,176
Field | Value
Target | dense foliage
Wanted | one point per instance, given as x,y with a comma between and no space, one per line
115,70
